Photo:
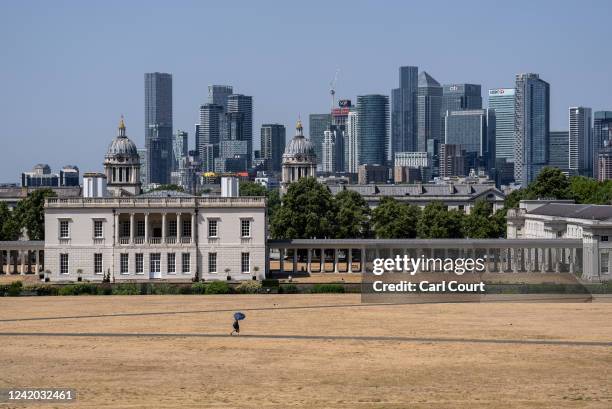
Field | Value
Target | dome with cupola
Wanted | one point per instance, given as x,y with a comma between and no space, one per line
299,159
122,165
299,145
122,149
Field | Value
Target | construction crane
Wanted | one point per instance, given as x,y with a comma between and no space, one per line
332,88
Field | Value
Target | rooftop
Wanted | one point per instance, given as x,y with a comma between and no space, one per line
575,211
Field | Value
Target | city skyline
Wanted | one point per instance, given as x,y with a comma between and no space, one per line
65,89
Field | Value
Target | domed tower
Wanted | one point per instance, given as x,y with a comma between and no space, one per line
299,159
122,165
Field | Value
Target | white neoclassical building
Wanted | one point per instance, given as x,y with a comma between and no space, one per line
299,159
124,235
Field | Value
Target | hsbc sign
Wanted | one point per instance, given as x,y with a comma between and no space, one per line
501,91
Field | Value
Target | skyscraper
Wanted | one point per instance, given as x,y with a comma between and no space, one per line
211,122
180,148
558,150
580,141
329,152
602,133
243,105
373,134
429,105
317,125
531,127
469,129
458,97
351,146
273,145
404,111
501,100
158,126
218,95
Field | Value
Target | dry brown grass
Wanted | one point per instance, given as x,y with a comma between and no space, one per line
213,372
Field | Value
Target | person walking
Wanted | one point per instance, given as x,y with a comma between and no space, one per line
236,330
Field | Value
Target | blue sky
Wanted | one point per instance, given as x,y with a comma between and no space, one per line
68,69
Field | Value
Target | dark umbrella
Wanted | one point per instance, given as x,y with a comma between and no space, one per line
238,316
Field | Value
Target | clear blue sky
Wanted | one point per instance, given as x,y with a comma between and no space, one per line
68,69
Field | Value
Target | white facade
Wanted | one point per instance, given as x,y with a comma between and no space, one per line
329,152
94,185
142,238
411,159
351,145
230,186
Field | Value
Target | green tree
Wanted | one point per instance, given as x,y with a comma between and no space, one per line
31,213
551,183
394,220
307,211
274,202
437,222
9,223
481,222
252,189
352,215
591,191
173,187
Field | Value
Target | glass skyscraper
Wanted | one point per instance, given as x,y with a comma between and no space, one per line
211,123
273,145
501,100
531,127
580,141
373,134
469,129
558,150
243,104
218,94
404,111
429,106
317,125
602,135
158,126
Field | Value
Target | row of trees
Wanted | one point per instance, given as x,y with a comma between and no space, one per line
28,216
309,210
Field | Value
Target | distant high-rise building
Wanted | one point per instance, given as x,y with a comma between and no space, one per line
211,123
234,148
531,127
317,125
580,141
142,153
404,111
373,111
602,133
459,97
329,152
180,147
604,163
501,100
558,150
351,145
243,105
218,95
452,160
429,109
339,120
158,126
469,128
273,145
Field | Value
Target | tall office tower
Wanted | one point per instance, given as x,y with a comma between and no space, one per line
158,126
234,149
211,123
501,100
604,163
602,133
558,150
459,97
273,145
218,95
144,166
469,129
317,125
329,152
531,127
351,145
373,134
580,141
197,137
404,111
243,105
180,148
452,160
429,105
339,120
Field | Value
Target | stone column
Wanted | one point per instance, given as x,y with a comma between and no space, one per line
281,259
23,254
350,260
336,258
146,232
294,261
193,226
37,261
163,227
132,222
116,228
572,266
309,261
363,260
178,227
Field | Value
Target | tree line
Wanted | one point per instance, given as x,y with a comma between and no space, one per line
28,216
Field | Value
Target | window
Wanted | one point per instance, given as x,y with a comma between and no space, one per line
125,229
63,263
245,228
212,228
603,266
64,230
139,263
97,263
171,263
186,232
140,228
124,261
186,262
212,262
172,228
155,263
604,238
98,232
245,262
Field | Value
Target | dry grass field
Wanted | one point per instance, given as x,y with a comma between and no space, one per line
307,351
